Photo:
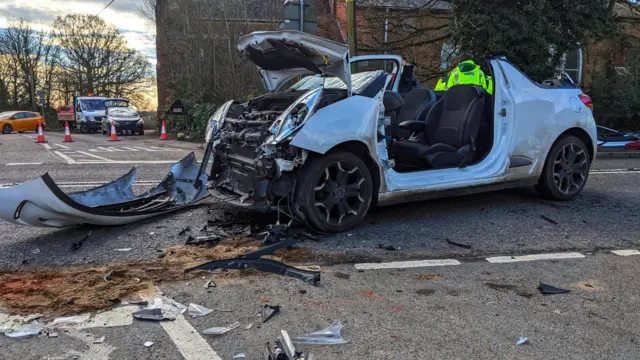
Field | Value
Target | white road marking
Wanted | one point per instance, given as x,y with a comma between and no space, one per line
130,149
62,146
407,264
94,156
65,157
626,252
614,172
164,149
47,146
553,256
190,344
19,164
144,149
104,149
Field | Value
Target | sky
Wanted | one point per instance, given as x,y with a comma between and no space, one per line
122,13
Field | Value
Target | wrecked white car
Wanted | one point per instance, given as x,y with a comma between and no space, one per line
359,131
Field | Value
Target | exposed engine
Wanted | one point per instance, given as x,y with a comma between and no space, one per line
241,166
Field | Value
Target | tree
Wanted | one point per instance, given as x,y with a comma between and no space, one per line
96,57
533,34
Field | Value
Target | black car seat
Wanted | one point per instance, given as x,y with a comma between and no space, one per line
417,104
393,103
449,133
484,143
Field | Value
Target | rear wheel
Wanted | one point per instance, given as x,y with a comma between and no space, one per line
84,128
566,170
335,191
7,129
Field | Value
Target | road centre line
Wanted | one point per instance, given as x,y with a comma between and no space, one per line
189,342
407,264
553,256
626,252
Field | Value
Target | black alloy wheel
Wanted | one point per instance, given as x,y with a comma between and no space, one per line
566,171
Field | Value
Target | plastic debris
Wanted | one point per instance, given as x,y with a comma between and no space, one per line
53,334
240,356
201,240
220,330
148,344
387,247
78,245
522,340
119,316
248,326
124,249
70,320
35,251
269,311
134,302
99,340
550,220
196,310
329,336
464,246
209,284
161,309
184,231
24,331
152,233
551,290
108,276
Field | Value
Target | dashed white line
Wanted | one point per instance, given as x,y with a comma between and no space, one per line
554,256
626,252
190,344
104,149
20,164
130,149
407,264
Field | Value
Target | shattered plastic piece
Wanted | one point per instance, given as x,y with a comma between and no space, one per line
148,344
161,309
285,341
201,240
152,233
269,249
53,335
551,290
24,331
240,356
35,251
269,311
124,249
209,284
134,302
271,266
184,231
78,245
99,340
329,336
151,314
196,310
248,326
70,320
464,246
522,340
108,276
221,330
548,219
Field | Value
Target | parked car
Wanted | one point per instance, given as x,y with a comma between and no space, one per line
327,149
20,121
611,139
126,119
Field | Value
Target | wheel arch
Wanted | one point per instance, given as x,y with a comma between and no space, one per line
582,135
362,151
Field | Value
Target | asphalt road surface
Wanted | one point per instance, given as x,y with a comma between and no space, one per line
474,309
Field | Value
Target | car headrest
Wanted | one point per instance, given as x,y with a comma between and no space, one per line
459,96
392,101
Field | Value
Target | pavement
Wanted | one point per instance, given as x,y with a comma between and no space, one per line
473,309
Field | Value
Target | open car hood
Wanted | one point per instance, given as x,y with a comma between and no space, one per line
281,55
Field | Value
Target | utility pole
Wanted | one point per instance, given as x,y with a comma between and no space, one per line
351,27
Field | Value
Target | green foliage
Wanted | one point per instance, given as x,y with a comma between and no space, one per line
525,31
194,124
616,97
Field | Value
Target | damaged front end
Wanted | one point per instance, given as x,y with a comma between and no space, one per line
254,162
40,202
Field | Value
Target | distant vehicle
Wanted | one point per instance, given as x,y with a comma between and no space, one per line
88,113
65,113
611,138
126,119
20,121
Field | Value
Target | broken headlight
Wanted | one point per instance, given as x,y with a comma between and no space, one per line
216,121
295,116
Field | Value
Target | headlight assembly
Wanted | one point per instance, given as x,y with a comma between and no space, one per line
216,121
295,116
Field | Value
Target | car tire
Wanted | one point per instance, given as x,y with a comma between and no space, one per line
84,129
566,169
7,129
141,132
338,180
104,132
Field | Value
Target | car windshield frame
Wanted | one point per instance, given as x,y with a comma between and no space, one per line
93,105
359,81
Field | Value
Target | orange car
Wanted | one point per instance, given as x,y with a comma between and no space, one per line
20,121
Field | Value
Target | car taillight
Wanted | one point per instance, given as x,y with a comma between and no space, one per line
586,100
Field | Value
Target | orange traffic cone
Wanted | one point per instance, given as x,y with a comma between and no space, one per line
67,133
114,134
163,132
40,139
